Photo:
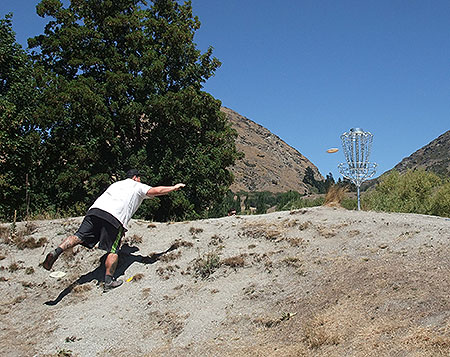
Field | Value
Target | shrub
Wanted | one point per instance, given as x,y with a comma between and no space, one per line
303,203
415,191
206,265
335,195
440,202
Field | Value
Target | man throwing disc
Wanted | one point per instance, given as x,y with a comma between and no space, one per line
107,220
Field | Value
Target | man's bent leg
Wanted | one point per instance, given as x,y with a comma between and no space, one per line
70,242
67,243
111,264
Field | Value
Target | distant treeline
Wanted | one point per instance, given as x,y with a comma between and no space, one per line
416,191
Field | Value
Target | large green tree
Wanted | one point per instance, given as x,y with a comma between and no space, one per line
20,140
122,87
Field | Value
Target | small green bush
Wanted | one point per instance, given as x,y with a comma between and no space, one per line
206,265
303,203
440,202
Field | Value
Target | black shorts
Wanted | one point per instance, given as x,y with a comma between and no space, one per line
95,230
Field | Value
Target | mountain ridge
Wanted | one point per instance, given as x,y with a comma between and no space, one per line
435,157
269,163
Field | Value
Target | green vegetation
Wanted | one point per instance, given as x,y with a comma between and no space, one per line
206,265
317,186
260,202
417,191
109,86
19,137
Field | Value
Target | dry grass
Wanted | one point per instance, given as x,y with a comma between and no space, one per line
293,262
215,240
80,289
264,231
167,271
134,239
206,265
20,239
166,258
194,231
235,262
171,323
305,225
181,243
335,196
30,243
4,233
318,332
296,242
13,267
326,232
137,277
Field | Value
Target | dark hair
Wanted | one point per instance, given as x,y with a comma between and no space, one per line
133,172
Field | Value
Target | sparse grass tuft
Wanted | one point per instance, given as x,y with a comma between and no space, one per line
30,243
167,271
293,262
296,242
335,196
19,238
13,267
135,239
137,277
318,334
206,265
326,232
215,240
262,231
64,353
194,231
170,257
4,233
304,225
181,243
235,262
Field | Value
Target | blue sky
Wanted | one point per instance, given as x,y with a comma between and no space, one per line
309,70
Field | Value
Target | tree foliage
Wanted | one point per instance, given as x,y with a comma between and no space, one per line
19,139
121,86
317,186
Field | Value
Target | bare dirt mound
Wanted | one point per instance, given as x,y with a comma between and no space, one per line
313,282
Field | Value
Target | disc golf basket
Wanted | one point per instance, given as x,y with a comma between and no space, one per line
357,144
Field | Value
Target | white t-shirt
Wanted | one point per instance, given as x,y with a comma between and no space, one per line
122,199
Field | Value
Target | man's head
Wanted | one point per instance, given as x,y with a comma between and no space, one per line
134,174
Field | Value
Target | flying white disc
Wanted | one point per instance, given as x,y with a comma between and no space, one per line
57,274
332,150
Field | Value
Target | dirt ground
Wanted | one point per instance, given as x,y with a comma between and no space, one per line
312,282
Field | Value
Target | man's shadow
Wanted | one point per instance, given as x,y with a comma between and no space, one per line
126,258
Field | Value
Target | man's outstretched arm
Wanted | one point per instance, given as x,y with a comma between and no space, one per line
164,190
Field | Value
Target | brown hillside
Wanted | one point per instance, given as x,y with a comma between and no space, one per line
269,163
433,157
